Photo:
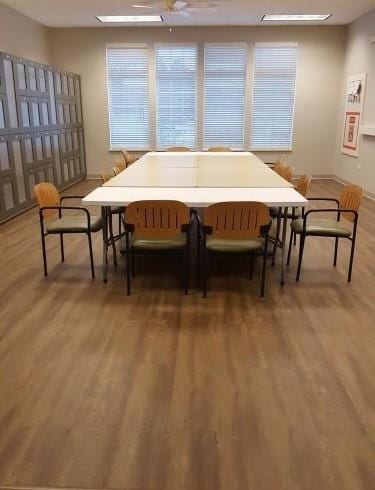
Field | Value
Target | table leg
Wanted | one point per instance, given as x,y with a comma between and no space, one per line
105,241
283,241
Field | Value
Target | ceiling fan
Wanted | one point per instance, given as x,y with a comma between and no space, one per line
179,7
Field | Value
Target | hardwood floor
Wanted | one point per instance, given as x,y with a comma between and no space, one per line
158,391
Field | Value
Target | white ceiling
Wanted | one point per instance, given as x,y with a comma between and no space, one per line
81,13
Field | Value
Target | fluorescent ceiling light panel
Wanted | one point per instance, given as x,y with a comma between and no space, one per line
294,17
129,18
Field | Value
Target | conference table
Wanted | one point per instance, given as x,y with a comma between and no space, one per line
197,179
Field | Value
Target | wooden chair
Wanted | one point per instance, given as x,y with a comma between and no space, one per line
114,210
302,187
157,226
128,158
235,227
119,167
220,148
286,173
178,148
50,207
347,208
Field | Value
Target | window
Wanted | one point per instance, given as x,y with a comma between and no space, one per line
128,97
224,95
176,73
273,96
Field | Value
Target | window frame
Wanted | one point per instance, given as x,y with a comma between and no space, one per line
145,46
155,102
203,68
274,148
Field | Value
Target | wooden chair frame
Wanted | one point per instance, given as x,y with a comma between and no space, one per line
205,230
44,233
339,211
183,252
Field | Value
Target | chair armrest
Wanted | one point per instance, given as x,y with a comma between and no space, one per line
128,227
70,197
330,210
60,208
329,199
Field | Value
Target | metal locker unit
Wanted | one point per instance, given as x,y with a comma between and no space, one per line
41,131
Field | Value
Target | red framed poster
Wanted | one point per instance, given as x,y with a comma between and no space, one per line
351,130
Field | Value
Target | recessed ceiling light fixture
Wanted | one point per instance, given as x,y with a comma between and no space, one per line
129,18
294,17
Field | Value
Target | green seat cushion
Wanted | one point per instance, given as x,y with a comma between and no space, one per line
74,224
274,213
147,243
321,227
224,245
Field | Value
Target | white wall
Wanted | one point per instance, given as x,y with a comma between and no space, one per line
23,37
360,57
321,56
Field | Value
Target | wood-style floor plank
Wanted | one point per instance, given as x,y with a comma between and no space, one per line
158,391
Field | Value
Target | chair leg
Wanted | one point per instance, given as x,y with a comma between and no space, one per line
111,237
91,256
128,265
132,254
336,249
292,236
204,269
62,247
278,226
301,248
119,224
44,255
251,268
263,284
351,259
186,267
198,254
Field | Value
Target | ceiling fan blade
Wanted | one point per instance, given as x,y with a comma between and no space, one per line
143,7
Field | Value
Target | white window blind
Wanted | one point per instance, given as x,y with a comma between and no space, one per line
176,73
224,95
128,97
273,96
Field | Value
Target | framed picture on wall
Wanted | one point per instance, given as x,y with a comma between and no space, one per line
351,130
355,94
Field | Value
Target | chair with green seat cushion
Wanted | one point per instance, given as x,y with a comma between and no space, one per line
302,188
235,227
157,226
347,208
50,207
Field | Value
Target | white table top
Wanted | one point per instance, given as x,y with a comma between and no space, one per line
194,197
198,169
198,179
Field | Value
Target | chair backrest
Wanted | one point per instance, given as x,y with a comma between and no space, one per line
350,198
286,172
178,148
126,156
161,219
119,166
220,148
278,167
104,177
47,195
236,220
303,185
